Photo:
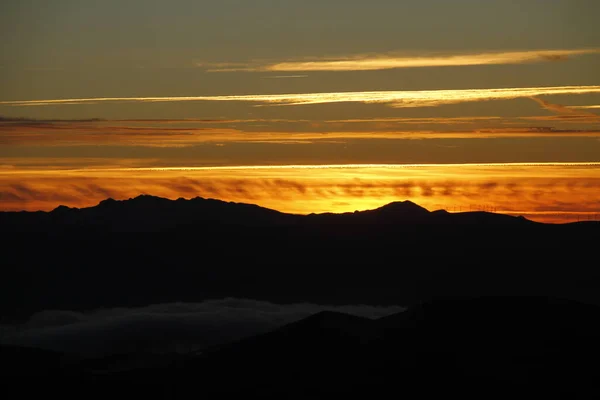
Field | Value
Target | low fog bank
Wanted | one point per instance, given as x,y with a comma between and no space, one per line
181,327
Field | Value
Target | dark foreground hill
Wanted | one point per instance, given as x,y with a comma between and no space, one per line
471,348
151,250
494,347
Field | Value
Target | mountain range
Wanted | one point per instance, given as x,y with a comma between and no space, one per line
497,306
155,214
150,250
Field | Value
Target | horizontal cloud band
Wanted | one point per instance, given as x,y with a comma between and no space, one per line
416,98
373,62
381,62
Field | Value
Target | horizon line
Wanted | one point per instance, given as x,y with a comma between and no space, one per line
449,208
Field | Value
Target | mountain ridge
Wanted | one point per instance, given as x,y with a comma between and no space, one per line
151,250
153,213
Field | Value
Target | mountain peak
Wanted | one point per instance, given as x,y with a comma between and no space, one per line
107,202
148,198
404,207
61,209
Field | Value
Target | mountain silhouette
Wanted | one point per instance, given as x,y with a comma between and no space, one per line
150,250
155,214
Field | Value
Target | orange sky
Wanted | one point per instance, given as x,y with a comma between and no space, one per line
543,192
117,84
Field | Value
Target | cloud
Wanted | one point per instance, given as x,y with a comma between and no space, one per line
189,132
285,77
166,327
397,99
78,134
558,108
34,122
500,125
567,113
564,118
372,62
424,120
141,132
585,107
223,66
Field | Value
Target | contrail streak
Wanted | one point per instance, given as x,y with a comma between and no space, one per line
417,98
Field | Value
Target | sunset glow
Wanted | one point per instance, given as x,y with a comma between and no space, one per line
544,192
304,107
188,184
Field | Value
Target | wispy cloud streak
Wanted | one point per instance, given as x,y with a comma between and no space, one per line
286,77
424,120
586,107
566,113
399,99
91,135
372,62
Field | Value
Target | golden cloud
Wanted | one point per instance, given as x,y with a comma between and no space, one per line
369,63
399,99
372,62
586,107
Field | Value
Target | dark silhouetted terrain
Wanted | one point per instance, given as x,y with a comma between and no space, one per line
472,348
151,250
534,333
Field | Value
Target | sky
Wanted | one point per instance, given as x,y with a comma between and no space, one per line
128,97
